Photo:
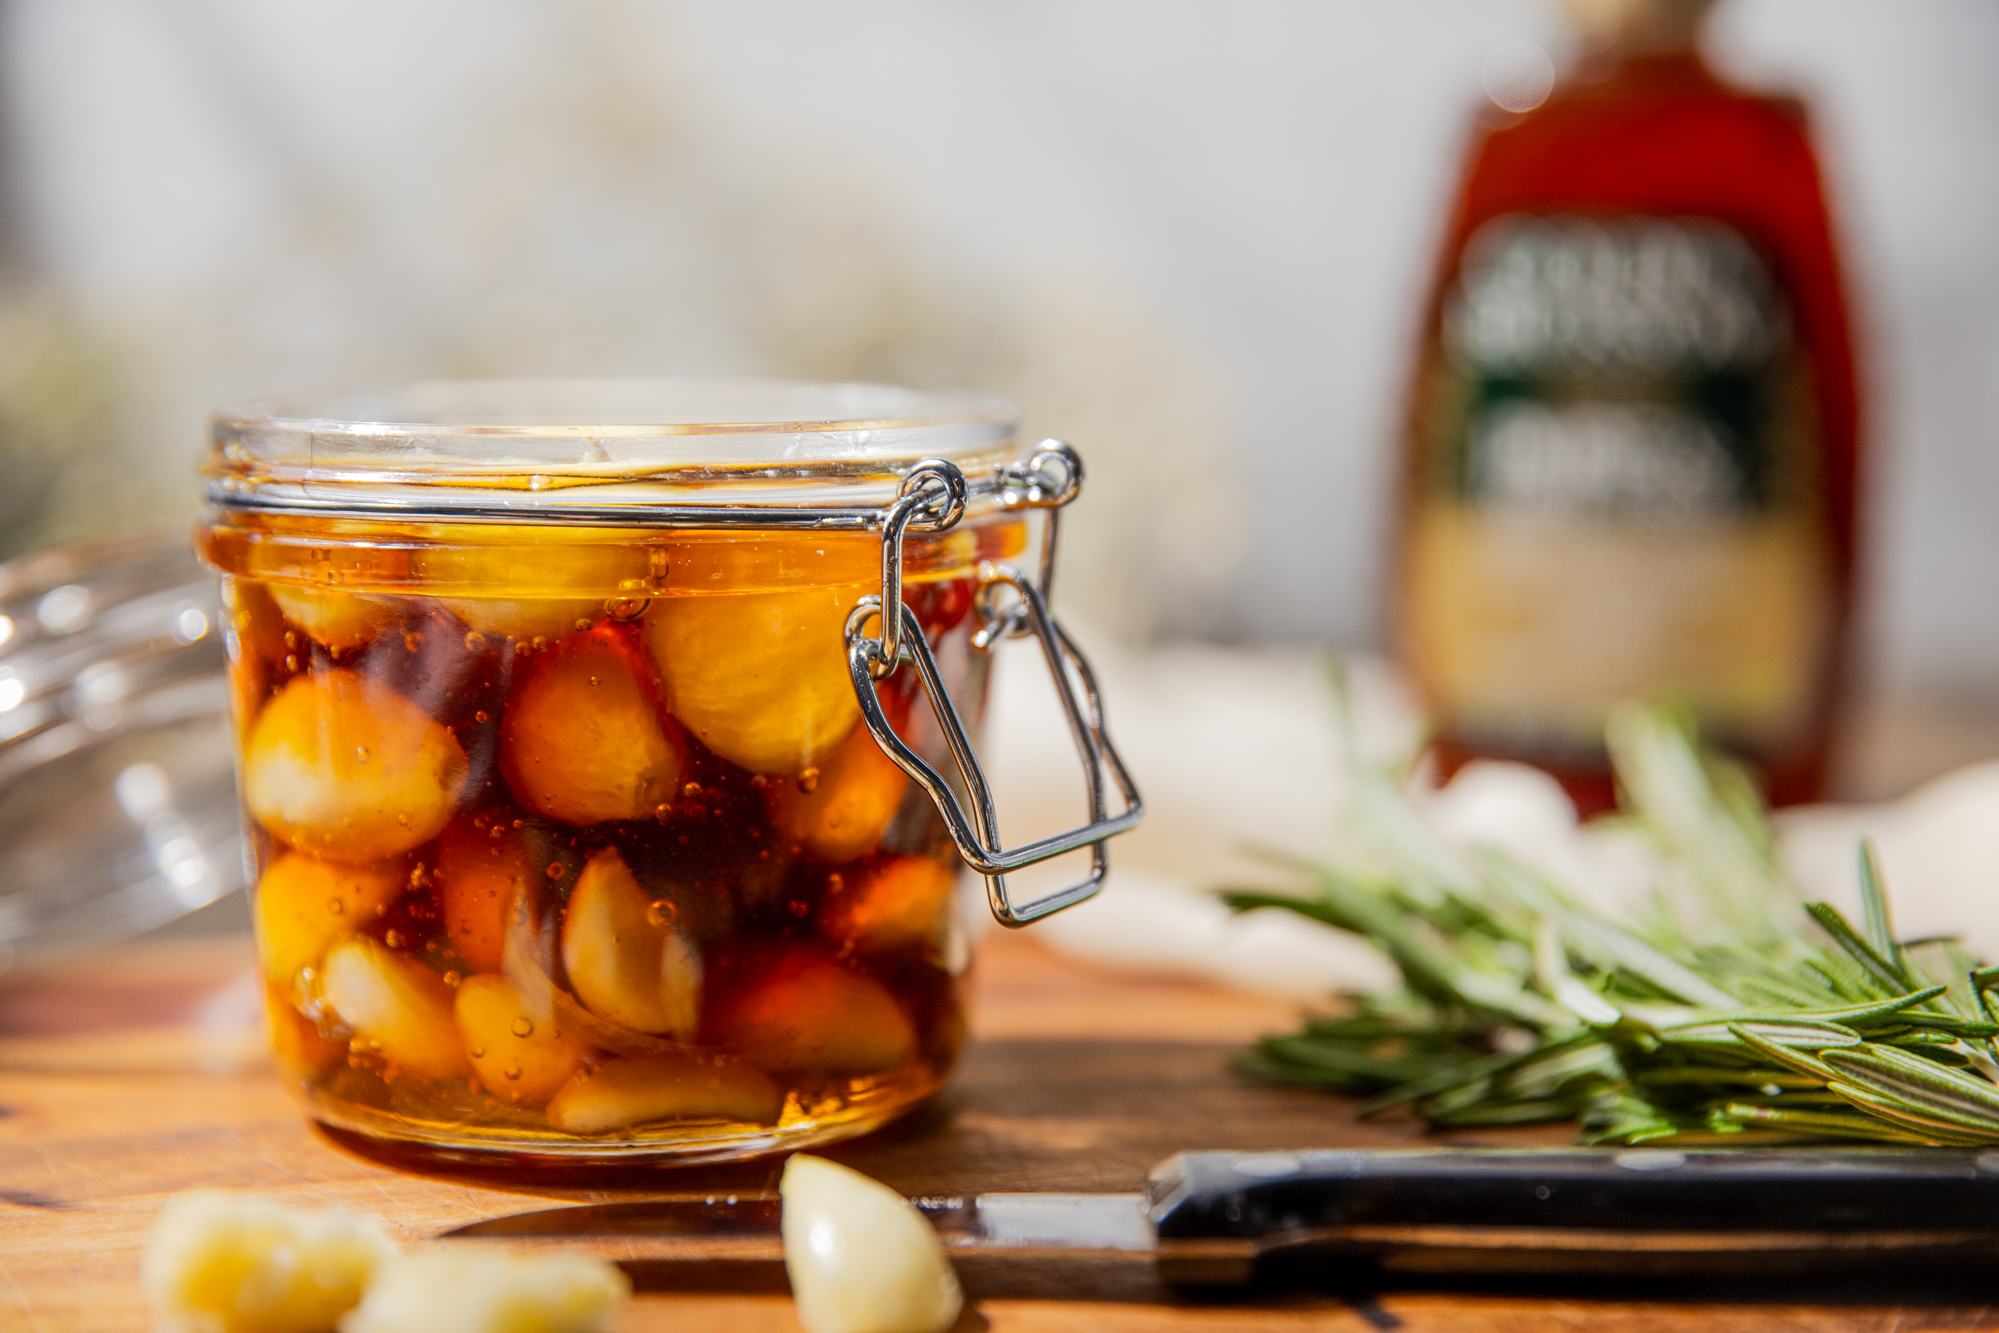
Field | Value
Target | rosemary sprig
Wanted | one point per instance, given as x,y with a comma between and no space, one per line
1730,1013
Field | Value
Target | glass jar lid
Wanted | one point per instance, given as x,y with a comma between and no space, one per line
599,450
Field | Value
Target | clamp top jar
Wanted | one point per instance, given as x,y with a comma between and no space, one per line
596,808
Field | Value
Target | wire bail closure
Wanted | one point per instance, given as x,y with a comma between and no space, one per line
931,499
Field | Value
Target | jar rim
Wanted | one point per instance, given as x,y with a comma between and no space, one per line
557,444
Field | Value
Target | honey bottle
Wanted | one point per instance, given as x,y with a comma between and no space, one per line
1631,443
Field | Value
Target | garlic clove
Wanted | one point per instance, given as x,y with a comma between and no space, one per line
792,1008
298,1048
480,877
399,1006
221,1263
904,902
760,678
547,589
517,1054
301,905
524,619
583,740
860,1258
476,1290
626,963
633,1091
343,767
339,620
854,796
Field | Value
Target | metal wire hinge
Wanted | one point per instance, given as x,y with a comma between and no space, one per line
932,499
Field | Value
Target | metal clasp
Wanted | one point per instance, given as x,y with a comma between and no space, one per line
1049,479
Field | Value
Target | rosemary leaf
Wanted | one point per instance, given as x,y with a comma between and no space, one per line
1717,1015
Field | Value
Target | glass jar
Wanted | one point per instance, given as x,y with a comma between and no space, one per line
592,809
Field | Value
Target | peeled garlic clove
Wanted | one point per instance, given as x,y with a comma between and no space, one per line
467,1290
517,1052
254,634
297,1048
626,963
861,1259
346,768
399,1006
904,903
524,619
221,1263
582,739
761,678
791,1007
340,620
639,1089
854,796
541,588
480,877
301,905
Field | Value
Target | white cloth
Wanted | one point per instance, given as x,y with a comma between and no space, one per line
1235,749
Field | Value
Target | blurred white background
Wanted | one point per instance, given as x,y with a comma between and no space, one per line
1189,236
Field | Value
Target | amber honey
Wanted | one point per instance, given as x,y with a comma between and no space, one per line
569,839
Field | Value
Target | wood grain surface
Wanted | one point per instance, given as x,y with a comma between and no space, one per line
138,1073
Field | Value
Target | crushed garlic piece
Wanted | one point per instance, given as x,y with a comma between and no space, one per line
490,1291
221,1263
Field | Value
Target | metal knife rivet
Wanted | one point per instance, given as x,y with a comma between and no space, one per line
1542,1191
1268,1166
1652,1161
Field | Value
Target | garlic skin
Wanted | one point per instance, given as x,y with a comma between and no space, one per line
221,1263
490,1291
861,1259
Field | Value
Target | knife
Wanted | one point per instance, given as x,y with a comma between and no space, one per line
1217,1218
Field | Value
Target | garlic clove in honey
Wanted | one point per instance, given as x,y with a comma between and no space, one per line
760,678
483,871
583,739
302,905
792,1007
524,619
396,1005
549,588
339,620
861,1259
518,1051
343,767
903,902
221,1263
642,1088
840,811
626,960
463,1289
254,632
298,1049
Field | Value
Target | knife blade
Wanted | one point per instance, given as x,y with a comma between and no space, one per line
1216,1218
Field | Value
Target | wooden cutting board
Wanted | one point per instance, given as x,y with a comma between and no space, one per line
138,1073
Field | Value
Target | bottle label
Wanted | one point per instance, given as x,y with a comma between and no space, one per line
1617,488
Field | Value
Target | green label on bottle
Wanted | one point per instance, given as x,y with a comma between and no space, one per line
1617,456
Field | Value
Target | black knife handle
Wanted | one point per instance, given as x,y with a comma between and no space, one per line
1657,1210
